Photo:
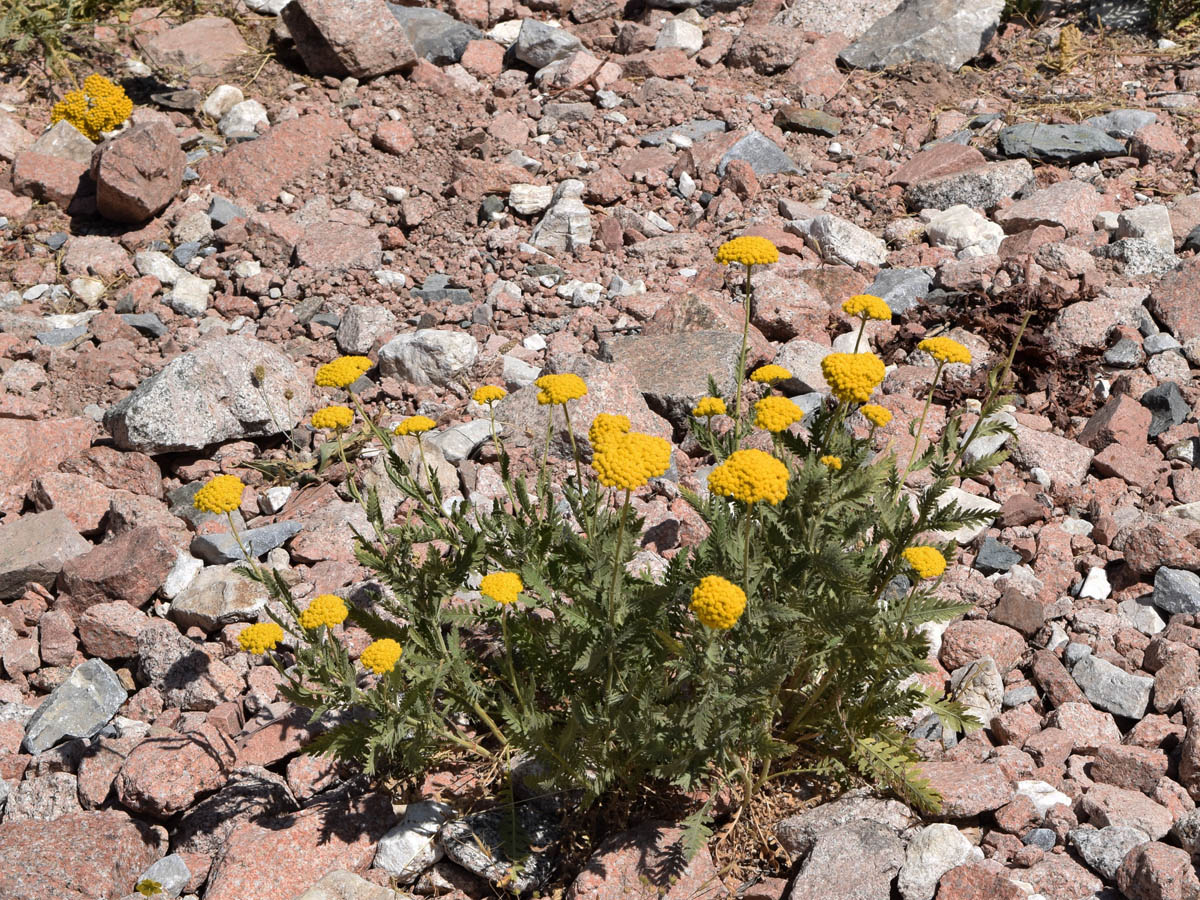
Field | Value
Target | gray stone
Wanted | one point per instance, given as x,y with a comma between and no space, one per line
763,154
695,130
1104,849
901,289
800,832
1167,407
437,289
342,885
182,672
59,337
539,44
981,187
1186,830
218,596
1176,591
43,798
223,547
189,296
980,688
34,547
434,35
932,852
361,326
1151,222
1042,838
78,708
65,141
994,557
1111,689
1138,256
840,241
948,32
411,847
171,873
428,357
877,854
210,395
240,122
1160,343
1069,144
1122,123
964,230
567,224
679,34
476,842
1125,354
222,212
1019,696
459,441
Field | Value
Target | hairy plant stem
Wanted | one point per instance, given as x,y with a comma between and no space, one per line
574,448
614,584
546,449
746,550
500,455
740,374
861,328
250,560
346,465
921,422
508,659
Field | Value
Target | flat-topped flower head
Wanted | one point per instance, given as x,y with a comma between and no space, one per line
260,638
503,587
414,425
709,406
927,562
718,603
222,494
832,462
487,394
605,426
852,377
342,372
747,250
629,460
775,414
877,415
100,106
558,389
381,656
750,476
333,418
326,609
945,350
770,374
867,306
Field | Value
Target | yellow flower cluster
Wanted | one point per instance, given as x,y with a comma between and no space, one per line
770,374
852,376
414,425
775,414
222,494
718,603
342,372
381,656
927,562
260,638
877,415
629,459
945,350
326,609
832,462
607,425
488,393
750,476
100,106
333,417
503,587
560,388
868,306
709,406
747,250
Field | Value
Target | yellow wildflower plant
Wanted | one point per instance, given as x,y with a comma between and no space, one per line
222,494
629,460
832,462
770,374
718,603
325,609
945,350
503,587
558,389
605,426
852,377
927,562
381,656
750,476
877,415
342,372
867,306
748,250
487,394
775,414
414,425
100,106
260,638
333,418
709,406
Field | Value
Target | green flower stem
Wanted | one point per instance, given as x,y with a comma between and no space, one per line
746,550
921,423
574,447
614,584
500,454
861,328
250,560
740,374
425,467
508,659
346,465
546,449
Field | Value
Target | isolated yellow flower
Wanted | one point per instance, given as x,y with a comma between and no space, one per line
223,494
747,250
709,406
770,374
605,426
261,637
775,414
718,603
868,306
325,609
100,106
342,372
629,460
414,425
503,587
852,376
927,562
488,393
333,417
750,476
832,462
560,388
381,656
877,415
945,350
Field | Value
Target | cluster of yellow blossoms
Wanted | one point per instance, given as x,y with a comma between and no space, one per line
260,638
334,418
775,414
832,462
877,415
750,476
223,494
718,603
945,350
100,106
414,425
927,562
623,458
709,406
503,587
770,374
342,372
558,389
487,394
747,250
381,656
867,306
852,376
326,609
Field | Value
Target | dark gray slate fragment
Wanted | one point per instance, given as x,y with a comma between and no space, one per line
78,708
434,35
901,289
1068,144
995,557
948,32
1167,407
763,154
223,547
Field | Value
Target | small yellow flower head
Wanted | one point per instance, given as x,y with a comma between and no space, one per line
555,389
747,250
775,414
100,106
381,656
342,372
750,476
487,394
853,376
770,374
927,562
629,460
868,306
333,417
945,350
260,638
832,462
414,425
709,406
718,603
222,494
877,415
326,609
503,587
606,426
